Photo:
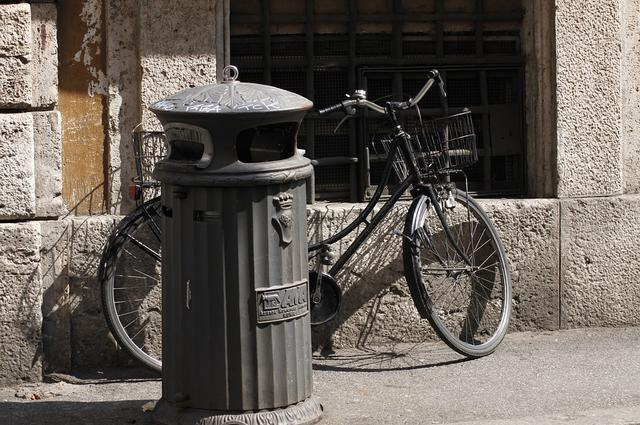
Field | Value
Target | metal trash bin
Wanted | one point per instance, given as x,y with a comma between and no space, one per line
236,344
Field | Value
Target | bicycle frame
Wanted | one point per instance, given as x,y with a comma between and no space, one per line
413,179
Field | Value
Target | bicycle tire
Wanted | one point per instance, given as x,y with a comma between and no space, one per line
134,311
463,304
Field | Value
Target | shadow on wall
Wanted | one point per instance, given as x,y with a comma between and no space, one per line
75,333
377,308
91,203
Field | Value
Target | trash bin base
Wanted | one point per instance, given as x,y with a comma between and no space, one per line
306,412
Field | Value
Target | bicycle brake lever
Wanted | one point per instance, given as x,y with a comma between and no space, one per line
349,111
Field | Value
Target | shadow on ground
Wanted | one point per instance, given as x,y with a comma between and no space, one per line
392,358
51,412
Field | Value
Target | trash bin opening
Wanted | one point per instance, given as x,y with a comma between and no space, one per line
185,150
270,142
189,143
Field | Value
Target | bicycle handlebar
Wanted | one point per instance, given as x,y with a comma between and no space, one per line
432,75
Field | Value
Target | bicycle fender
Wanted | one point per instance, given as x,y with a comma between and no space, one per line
417,210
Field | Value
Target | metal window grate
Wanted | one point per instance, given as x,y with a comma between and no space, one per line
330,86
323,50
294,80
331,45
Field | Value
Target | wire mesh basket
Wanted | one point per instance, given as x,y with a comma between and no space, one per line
149,147
440,145
445,144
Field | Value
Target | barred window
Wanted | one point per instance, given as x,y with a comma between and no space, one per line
325,49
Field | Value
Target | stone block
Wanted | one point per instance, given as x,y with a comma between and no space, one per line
20,303
92,346
377,306
88,237
91,343
15,83
588,98
44,67
17,197
48,164
530,230
15,55
56,300
600,270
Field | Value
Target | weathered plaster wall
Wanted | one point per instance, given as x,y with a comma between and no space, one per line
123,74
81,102
588,51
177,49
630,87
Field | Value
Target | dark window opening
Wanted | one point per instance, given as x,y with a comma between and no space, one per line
323,49
267,143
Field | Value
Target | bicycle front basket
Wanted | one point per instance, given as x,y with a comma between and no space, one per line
449,142
149,147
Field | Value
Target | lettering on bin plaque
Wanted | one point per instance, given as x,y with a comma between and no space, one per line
280,303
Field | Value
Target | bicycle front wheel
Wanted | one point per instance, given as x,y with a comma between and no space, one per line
467,303
130,276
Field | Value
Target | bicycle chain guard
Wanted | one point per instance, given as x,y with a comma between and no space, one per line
330,298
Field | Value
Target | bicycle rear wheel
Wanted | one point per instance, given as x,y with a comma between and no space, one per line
468,306
130,276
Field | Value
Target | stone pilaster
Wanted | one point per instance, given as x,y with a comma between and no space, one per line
588,98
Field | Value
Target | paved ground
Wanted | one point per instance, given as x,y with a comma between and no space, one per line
570,377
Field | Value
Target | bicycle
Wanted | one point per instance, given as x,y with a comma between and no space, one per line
454,262
129,270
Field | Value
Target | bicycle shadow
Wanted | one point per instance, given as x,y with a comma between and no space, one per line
377,308
75,336
400,357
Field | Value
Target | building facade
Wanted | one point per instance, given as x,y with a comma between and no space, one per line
554,85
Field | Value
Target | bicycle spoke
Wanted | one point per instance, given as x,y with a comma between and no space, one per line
467,297
144,247
129,287
120,288
130,301
144,325
128,313
147,275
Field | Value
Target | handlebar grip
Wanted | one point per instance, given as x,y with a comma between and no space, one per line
332,108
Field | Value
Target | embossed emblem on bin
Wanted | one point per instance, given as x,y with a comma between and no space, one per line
283,219
279,303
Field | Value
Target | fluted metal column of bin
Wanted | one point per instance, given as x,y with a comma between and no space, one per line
236,330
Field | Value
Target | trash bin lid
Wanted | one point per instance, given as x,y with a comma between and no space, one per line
232,96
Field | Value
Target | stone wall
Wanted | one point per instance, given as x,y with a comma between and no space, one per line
573,258
31,158
51,312
630,87
588,73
